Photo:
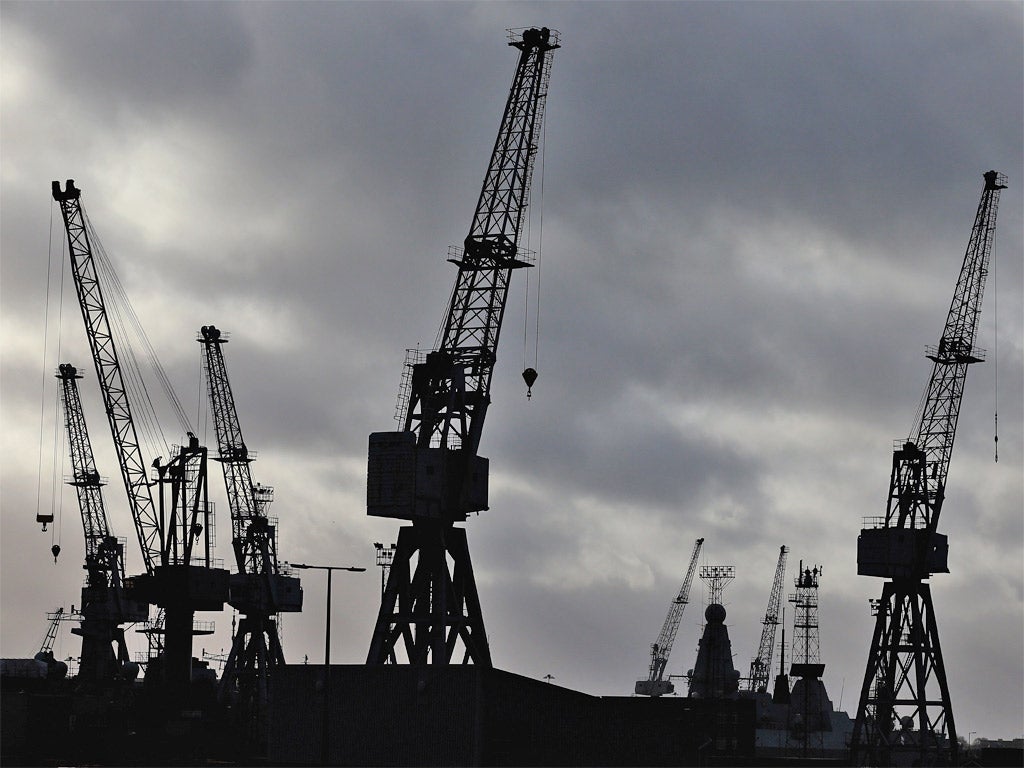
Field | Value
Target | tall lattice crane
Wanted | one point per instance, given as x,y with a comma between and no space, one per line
655,684
905,712
105,607
430,473
760,665
259,590
175,532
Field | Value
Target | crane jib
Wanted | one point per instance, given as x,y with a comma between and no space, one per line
134,471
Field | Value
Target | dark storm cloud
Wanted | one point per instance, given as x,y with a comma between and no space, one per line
122,60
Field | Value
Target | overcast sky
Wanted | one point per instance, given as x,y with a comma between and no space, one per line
754,215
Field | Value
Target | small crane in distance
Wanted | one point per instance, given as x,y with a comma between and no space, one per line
760,666
655,684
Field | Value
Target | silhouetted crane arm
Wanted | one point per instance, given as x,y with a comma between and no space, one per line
251,537
108,372
654,685
103,558
760,667
451,390
936,428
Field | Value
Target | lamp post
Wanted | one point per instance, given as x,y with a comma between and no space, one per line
327,646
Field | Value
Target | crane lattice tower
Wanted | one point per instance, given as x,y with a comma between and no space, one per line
904,713
430,473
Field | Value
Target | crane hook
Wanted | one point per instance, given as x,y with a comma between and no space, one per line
55,550
529,376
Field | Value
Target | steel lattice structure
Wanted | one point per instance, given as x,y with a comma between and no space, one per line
655,684
108,370
760,666
104,604
905,713
430,473
102,560
175,535
252,538
259,591
806,646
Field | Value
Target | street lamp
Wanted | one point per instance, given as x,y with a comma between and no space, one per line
327,643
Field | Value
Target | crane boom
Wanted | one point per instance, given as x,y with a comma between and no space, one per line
51,631
936,427
251,539
108,371
430,473
905,679
760,666
103,556
655,685
451,393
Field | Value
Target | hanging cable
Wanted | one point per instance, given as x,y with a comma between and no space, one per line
995,345
57,410
540,242
42,388
530,373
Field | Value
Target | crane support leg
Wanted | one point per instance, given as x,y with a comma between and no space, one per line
433,608
905,661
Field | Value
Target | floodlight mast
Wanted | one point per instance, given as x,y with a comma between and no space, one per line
430,473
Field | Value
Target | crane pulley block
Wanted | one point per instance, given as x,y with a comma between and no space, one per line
408,481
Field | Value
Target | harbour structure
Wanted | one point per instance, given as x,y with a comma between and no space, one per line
809,710
105,607
656,684
175,530
714,676
259,589
905,714
430,472
760,665
800,722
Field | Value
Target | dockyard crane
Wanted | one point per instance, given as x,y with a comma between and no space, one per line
904,713
105,607
655,684
760,665
259,590
430,473
174,534
54,620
